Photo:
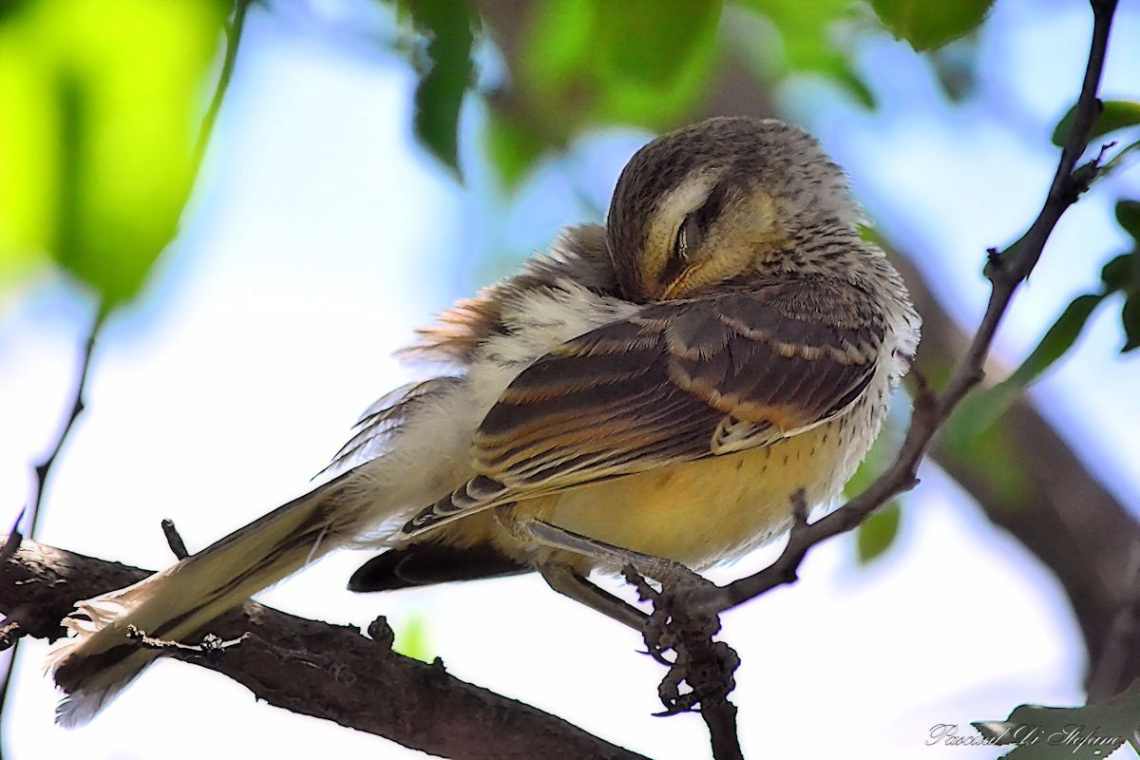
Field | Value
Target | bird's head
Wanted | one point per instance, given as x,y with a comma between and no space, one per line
721,200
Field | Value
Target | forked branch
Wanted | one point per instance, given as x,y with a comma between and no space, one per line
1006,271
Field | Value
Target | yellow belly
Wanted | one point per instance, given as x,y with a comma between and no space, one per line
715,509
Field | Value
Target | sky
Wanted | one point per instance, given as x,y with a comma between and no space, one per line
320,235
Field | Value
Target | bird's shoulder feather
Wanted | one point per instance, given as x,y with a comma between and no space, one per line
674,381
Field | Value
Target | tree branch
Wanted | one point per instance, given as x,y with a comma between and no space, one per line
1059,510
12,630
318,669
1029,482
43,469
1006,273
1062,514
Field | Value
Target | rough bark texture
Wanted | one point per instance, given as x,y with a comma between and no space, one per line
314,668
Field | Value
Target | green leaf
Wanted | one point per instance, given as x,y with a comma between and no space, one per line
101,102
513,148
413,639
10,7
638,62
809,41
1074,733
956,66
1130,317
1122,273
439,95
1116,114
927,25
1057,340
877,533
980,410
1128,215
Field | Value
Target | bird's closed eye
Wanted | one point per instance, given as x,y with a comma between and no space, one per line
688,237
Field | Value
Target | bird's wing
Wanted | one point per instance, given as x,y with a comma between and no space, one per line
378,428
675,382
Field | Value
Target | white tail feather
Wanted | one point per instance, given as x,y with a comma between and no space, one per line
99,659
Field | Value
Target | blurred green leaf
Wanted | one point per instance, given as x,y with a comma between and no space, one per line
980,410
413,639
809,40
101,100
1130,316
1116,114
1122,273
1128,215
639,62
1057,340
877,533
1074,733
956,66
450,71
512,147
9,7
989,454
927,25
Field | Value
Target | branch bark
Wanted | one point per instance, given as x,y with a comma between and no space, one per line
1006,271
1029,482
1058,510
1064,516
314,668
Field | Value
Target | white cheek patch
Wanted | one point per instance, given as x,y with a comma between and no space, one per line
671,211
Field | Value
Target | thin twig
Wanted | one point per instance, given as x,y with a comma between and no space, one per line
43,469
234,31
8,548
10,632
1006,271
212,645
32,511
174,539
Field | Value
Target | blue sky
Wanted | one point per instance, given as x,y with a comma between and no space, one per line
320,235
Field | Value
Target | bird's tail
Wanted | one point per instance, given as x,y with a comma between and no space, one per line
99,660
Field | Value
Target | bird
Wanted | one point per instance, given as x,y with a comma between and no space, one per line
654,391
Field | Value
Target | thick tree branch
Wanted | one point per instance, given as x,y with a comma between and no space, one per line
318,669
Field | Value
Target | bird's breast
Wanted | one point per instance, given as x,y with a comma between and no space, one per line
715,509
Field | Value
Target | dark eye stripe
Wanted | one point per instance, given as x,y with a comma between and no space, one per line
712,206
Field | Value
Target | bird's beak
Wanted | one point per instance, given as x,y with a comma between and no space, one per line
675,288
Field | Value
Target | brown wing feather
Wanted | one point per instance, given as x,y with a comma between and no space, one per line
665,384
